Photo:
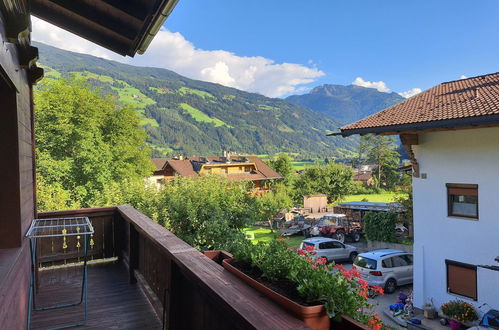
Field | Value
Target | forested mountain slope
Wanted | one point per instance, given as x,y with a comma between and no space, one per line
190,117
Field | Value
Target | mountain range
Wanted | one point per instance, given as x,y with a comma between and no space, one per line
183,116
346,103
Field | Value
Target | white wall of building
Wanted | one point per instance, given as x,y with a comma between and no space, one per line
465,156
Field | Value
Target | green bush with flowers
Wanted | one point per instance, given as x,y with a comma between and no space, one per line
460,311
342,291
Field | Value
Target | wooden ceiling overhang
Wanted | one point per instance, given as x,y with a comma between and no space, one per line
124,26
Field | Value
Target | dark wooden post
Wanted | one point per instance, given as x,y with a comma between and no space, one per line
133,257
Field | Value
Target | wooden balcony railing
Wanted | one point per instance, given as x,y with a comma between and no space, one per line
186,289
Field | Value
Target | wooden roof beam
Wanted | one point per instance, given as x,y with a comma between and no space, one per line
82,26
138,9
97,12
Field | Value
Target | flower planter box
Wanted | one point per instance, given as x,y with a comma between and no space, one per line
217,255
313,316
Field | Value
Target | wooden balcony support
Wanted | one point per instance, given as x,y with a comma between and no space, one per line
408,140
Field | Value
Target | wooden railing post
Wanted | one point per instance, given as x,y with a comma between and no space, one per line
133,257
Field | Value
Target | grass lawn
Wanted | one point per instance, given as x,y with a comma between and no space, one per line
376,198
199,115
265,235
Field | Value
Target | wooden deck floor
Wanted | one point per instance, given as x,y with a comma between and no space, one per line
113,303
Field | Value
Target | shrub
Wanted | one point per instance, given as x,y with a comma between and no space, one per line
460,311
380,226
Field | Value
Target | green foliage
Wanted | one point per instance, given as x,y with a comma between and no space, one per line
282,164
405,199
273,202
382,151
84,142
53,196
186,90
380,226
334,180
208,212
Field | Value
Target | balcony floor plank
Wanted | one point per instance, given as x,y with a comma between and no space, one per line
113,303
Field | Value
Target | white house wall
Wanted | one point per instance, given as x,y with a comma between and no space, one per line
466,156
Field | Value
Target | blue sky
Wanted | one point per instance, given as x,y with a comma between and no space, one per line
403,44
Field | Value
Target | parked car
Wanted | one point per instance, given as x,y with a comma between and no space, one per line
331,249
386,267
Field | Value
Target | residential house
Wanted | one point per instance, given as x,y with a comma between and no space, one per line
240,168
155,280
363,176
451,133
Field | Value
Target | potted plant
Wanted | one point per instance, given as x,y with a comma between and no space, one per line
458,312
306,286
429,310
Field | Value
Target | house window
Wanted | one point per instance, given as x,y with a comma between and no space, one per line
461,279
462,200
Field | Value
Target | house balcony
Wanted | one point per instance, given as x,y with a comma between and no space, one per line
141,276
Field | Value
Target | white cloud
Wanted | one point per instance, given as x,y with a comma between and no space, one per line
382,87
410,92
463,77
379,85
170,50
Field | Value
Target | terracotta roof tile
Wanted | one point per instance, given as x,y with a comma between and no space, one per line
158,163
466,98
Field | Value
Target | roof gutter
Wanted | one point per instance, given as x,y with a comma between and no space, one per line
468,122
156,24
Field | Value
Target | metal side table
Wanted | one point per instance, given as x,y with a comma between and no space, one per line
59,227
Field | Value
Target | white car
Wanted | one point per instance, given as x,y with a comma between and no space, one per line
386,268
331,249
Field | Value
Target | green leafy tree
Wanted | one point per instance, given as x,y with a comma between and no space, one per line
382,151
333,179
282,164
405,200
85,141
208,212
271,203
380,226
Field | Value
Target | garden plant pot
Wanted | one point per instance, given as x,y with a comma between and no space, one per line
454,325
217,255
313,316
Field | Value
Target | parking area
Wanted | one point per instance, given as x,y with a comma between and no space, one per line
382,303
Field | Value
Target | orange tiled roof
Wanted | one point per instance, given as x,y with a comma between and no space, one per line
158,163
465,102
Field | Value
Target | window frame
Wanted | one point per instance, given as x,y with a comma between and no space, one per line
462,265
461,187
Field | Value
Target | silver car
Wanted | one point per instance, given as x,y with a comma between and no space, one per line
331,249
386,268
